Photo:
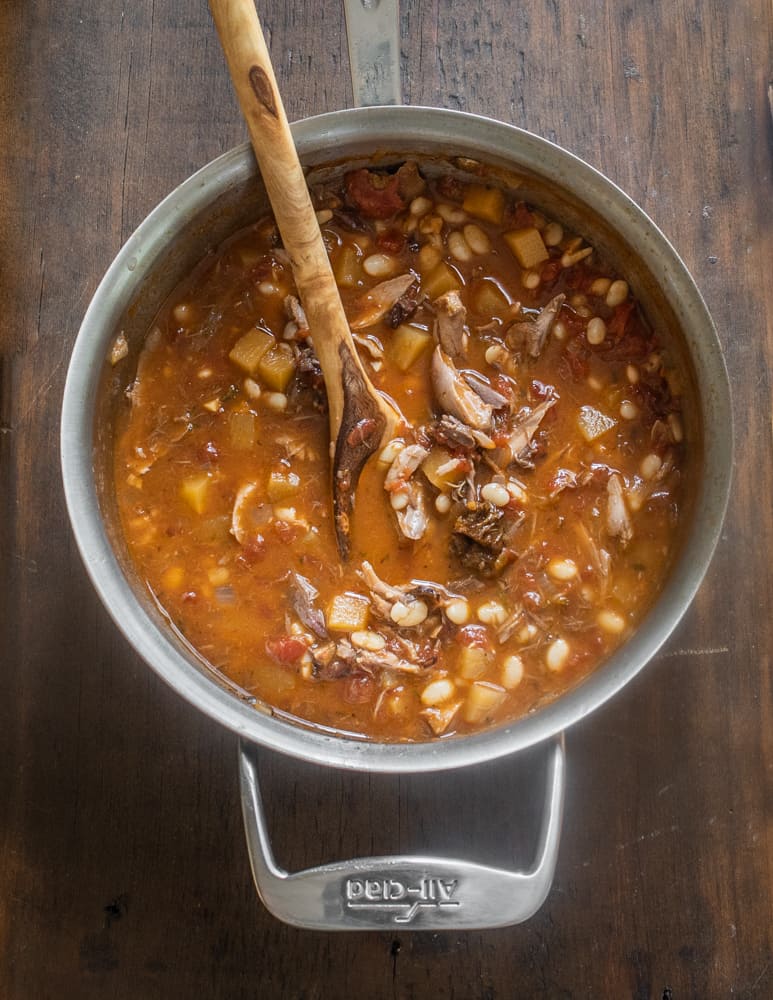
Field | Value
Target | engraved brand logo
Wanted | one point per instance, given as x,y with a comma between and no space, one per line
403,898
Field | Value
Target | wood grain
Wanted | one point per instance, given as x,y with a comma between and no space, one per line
123,871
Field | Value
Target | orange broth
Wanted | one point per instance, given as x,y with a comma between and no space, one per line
222,467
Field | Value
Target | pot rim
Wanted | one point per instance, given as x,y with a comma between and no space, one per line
398,128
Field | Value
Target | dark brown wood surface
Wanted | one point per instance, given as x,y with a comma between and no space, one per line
123,870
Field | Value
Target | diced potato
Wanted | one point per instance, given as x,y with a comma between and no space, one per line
441,279
442,469
489,299
484,202
407,345
173,578
282,485
249,349
439,718
243,430
593,423
347,268
482,700
277,367
527,245
473,662
348,613
194,492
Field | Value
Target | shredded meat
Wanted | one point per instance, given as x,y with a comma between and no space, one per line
350,220
374,304
520,443
386,660
529,335
456,436
455,396
383,594
452,433
403,309
618,522
411,516
478,540
303,593
485,390
309,373
295,312
450,319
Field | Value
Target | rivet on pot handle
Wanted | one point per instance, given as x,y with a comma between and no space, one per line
373,31
401,892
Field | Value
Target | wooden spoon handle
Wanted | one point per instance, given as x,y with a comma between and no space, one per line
360,418
253,77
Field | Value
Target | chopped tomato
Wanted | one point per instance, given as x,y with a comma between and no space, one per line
375,195
286,648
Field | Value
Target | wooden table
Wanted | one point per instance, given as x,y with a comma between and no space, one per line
123,870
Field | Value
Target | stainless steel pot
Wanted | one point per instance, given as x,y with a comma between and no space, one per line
423,892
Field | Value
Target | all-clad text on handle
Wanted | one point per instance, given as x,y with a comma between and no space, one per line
423,893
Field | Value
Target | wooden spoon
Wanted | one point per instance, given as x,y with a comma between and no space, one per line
360,417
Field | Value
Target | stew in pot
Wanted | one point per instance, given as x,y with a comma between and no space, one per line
504,543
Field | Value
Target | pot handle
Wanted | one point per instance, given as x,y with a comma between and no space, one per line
373,32
401,892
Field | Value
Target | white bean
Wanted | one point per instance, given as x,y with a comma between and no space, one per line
451,213
559,330
562,569
408,615
675,426
183,313
477,238
617,294
650,465
516,491
512,671
366,639
552,234
495,493
390,451
458,611
458,247
557,655
442,503
420,206
629,410
379,265
276,401
596,331
492,613
399,500
438,691
530,280
610,621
